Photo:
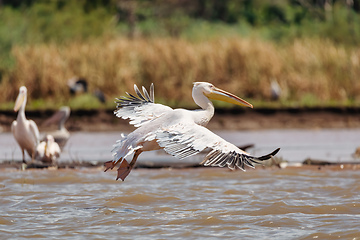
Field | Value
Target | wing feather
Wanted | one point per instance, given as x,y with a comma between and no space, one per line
232,164
183,140
240,162
139,93
152,93
139,109
146,94
35,131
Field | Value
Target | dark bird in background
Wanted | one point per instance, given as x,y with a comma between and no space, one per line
80,85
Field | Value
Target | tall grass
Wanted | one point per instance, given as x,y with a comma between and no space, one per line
309,71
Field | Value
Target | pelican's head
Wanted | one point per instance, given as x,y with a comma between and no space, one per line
20,98
212,92
49,140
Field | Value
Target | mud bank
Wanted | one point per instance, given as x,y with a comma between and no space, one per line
309,164
229,119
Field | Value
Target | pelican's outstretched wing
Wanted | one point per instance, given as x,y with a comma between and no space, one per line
184,140
139,109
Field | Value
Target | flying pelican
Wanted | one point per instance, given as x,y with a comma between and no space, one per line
48,151
181,133
25,132
61,135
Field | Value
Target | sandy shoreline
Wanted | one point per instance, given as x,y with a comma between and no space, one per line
224,119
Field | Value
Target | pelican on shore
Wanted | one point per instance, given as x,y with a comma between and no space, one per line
181,133
48,151
61,135
25,131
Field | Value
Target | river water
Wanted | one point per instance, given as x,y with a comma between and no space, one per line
195,203
336,145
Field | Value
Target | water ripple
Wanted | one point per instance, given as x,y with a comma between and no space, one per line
176,204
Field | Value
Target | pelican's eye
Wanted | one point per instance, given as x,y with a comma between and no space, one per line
211,87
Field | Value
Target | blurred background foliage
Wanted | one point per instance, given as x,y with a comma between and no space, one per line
309,47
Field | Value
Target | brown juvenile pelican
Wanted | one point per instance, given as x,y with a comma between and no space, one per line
61,135
25,131
48,151
181,133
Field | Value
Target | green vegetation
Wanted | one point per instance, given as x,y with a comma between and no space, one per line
310,48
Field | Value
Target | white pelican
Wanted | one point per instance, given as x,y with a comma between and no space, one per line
61,135
25,132
48,151
181,133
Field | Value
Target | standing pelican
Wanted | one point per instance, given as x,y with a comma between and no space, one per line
61,135
181,133
25,132
48,151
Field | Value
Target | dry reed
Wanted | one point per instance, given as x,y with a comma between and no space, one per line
245,67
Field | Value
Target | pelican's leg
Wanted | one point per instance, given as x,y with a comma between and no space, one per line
23,155
125,167
33,157
24,164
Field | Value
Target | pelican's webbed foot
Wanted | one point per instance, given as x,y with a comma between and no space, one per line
109,165
123,170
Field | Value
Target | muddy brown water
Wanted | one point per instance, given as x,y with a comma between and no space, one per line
201,203
195,203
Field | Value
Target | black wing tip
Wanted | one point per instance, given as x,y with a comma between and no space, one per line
138,99
265,157
275,152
